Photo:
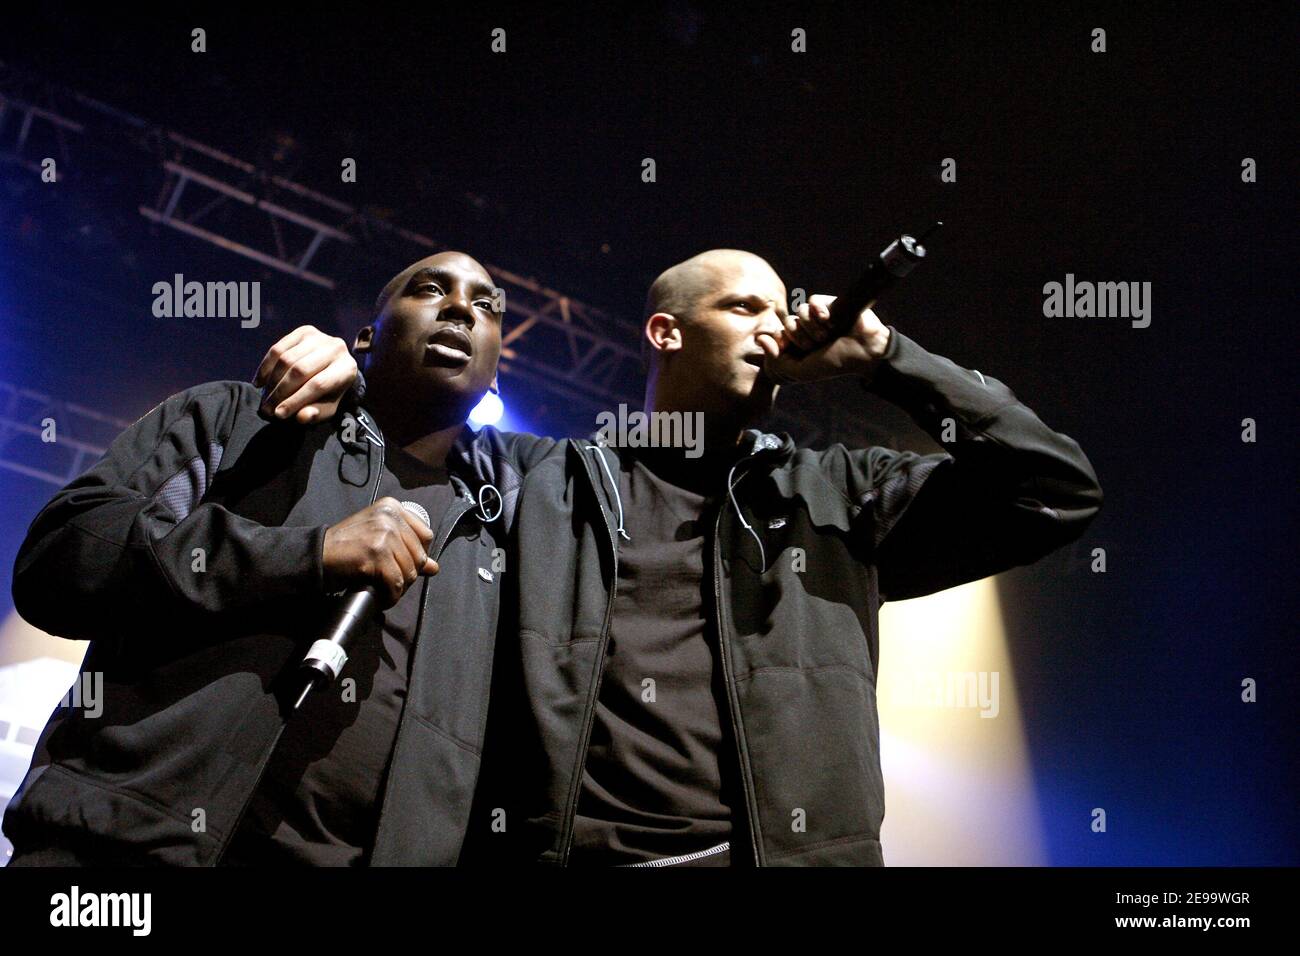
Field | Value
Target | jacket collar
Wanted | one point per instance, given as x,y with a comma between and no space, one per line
764,449
472,462
768,446
760,449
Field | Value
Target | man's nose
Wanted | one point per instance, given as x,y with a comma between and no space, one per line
769,322
456,306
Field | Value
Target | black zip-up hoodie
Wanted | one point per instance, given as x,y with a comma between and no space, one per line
191,557
804,554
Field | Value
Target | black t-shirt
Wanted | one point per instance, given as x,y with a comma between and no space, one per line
660,778
318,802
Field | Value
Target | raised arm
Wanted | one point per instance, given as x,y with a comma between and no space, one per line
306,376
1006,491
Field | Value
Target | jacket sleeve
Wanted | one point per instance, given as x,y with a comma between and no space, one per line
133,535
1006,491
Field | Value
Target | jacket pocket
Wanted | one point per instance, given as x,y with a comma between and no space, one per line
813,744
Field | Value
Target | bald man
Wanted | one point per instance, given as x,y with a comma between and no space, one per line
689,677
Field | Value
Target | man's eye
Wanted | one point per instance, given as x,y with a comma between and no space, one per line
430,286
484,304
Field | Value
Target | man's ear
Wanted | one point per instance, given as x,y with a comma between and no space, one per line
494,388
364,338
664,332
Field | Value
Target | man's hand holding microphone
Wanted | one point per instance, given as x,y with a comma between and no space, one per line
385,546
375,554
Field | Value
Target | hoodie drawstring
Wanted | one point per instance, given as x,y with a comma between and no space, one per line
764,443
618,499
731,485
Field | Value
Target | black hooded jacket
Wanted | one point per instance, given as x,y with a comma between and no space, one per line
191,558
811,545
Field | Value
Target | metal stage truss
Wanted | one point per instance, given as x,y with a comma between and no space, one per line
553,340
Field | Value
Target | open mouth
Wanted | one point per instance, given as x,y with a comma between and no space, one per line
757,359
451,344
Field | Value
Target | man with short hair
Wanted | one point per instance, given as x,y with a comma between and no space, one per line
198,558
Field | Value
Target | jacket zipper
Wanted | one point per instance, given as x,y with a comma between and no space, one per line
424,606
729,681
401,723
683,858
589,716
225,844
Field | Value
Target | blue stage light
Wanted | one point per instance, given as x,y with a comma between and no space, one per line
488,411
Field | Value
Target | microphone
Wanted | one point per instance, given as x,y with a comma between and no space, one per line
881,274
357,609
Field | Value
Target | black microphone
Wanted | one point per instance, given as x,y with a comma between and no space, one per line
896,260
357,609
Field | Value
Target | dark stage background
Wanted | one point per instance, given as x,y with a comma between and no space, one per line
1116,166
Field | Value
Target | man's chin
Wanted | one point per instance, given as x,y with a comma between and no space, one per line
762,390
450,388
757,399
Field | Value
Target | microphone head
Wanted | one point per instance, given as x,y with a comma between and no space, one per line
418,510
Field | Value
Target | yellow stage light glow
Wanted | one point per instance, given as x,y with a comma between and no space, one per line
958,787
